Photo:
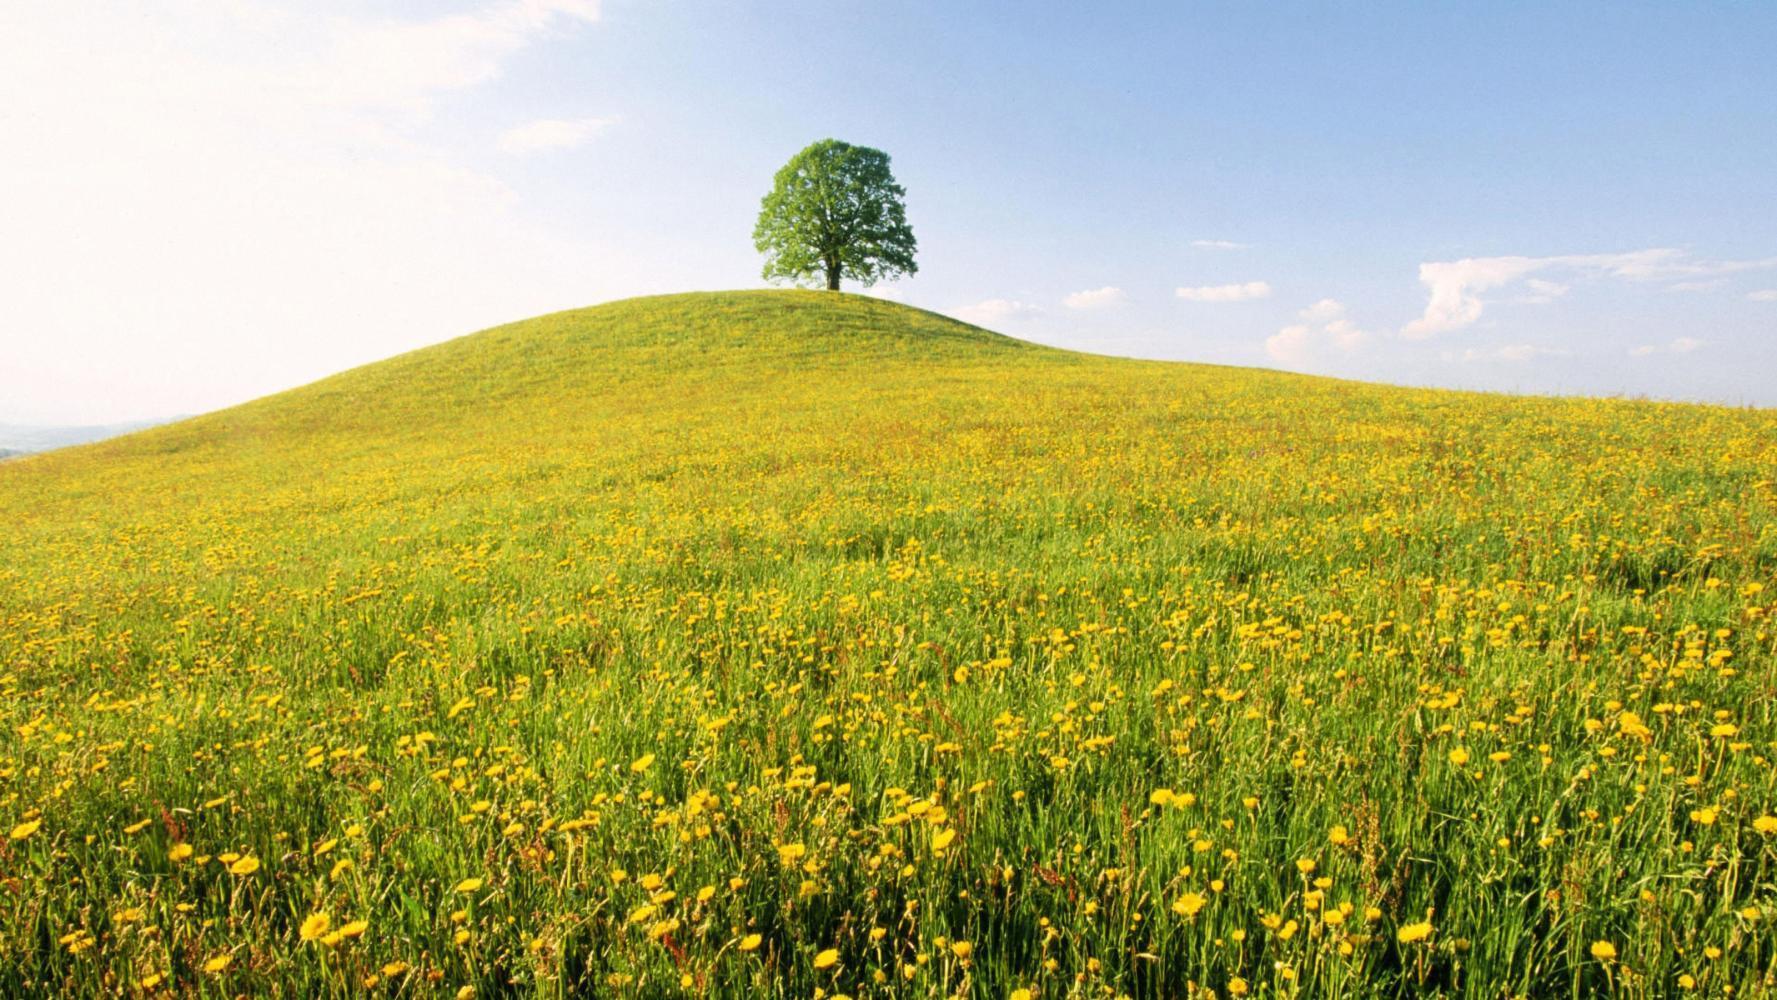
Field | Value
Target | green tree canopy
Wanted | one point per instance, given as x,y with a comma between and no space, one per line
835,210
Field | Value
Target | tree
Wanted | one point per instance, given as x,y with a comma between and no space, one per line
834,210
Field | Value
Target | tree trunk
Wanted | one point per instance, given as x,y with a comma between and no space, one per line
832,276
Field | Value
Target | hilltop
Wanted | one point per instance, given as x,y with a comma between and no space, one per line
754,643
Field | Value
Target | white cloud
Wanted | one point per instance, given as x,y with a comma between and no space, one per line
552,133
237,197
1291,345
1455,286
1543,291
1218,245
1763,295
885,291
1097,298
1678,345
1324,325
1515,353
992,311
394,63
1658,264
1705,285
1324,311
1226,293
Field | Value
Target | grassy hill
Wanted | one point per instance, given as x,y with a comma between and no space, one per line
769,643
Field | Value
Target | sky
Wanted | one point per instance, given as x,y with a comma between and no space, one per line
204,201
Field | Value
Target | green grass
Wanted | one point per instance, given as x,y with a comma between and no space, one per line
775,592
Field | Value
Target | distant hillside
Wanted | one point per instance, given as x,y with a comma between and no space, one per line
18,439
783,644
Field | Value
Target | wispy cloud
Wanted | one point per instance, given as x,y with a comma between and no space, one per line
1324,325
1218,245
1543,291
552,133
1097,298
404,62
1701,285
992,311
1763,295
1455,286
1226,293
1513,353
1677,345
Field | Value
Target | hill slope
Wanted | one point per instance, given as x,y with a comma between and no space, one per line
865,618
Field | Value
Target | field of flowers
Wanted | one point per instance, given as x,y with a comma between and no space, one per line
805,645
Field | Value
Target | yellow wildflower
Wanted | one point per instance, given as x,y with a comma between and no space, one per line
315,926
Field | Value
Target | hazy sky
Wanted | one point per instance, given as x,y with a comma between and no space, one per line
201,202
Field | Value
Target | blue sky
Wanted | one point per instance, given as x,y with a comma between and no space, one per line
218,199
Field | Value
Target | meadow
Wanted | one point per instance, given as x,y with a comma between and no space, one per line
795,644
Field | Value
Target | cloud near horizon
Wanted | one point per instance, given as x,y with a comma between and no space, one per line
1245,292
1678,345
991,311
1514,353
1097,298
1324,325
1455,287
